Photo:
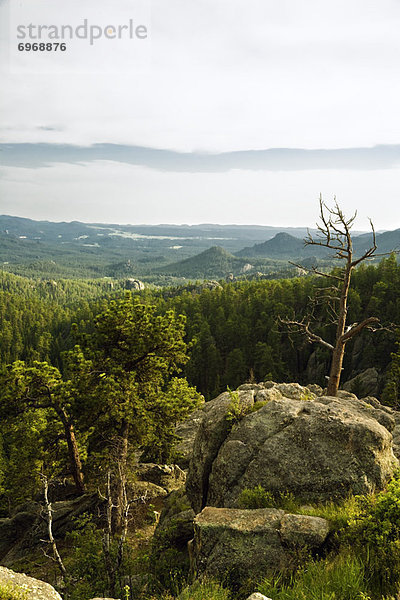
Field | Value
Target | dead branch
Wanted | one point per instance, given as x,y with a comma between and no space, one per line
304,327
107,535
334,231
125,518
315,271
113,565
357,328
49,518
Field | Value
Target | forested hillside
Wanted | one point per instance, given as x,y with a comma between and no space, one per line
160,254
36,315
234,330
75,250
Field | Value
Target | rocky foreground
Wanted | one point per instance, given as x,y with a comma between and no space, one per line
283,437
33,588
286,438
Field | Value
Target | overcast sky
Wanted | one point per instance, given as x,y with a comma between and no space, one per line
208,119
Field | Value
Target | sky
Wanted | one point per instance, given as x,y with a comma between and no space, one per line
229,111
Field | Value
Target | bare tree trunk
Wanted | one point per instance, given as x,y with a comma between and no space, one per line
336,370
338,351
73,451
107,538
122,459
113,566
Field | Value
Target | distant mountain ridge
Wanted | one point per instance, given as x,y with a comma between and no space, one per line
284,245
50,230
215,262
75,249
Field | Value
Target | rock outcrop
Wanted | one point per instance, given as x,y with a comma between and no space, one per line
365,383
168,477
317,447
186,432
175,527
249,544
214,427
134,284
34,588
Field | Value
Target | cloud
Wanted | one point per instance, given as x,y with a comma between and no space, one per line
310,87
48,128
272,159
223,76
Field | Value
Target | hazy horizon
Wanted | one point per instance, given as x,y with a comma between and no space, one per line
171,224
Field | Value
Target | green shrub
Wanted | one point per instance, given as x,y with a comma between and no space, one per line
259,497
375,532
340,577
256,497
391,391
257,405
307,396
85,563
235,411
168,562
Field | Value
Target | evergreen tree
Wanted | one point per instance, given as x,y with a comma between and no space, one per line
391,392
39,388
134,352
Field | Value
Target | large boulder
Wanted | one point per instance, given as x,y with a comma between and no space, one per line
317,447
249,544
212,431
33,588
186,431
13,530
365,383
145,491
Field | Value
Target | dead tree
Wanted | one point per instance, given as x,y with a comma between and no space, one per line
334,233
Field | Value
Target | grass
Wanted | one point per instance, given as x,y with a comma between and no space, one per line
341,577
337,513
205,590
208,590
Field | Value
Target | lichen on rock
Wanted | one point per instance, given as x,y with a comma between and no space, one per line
34,588
318,448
